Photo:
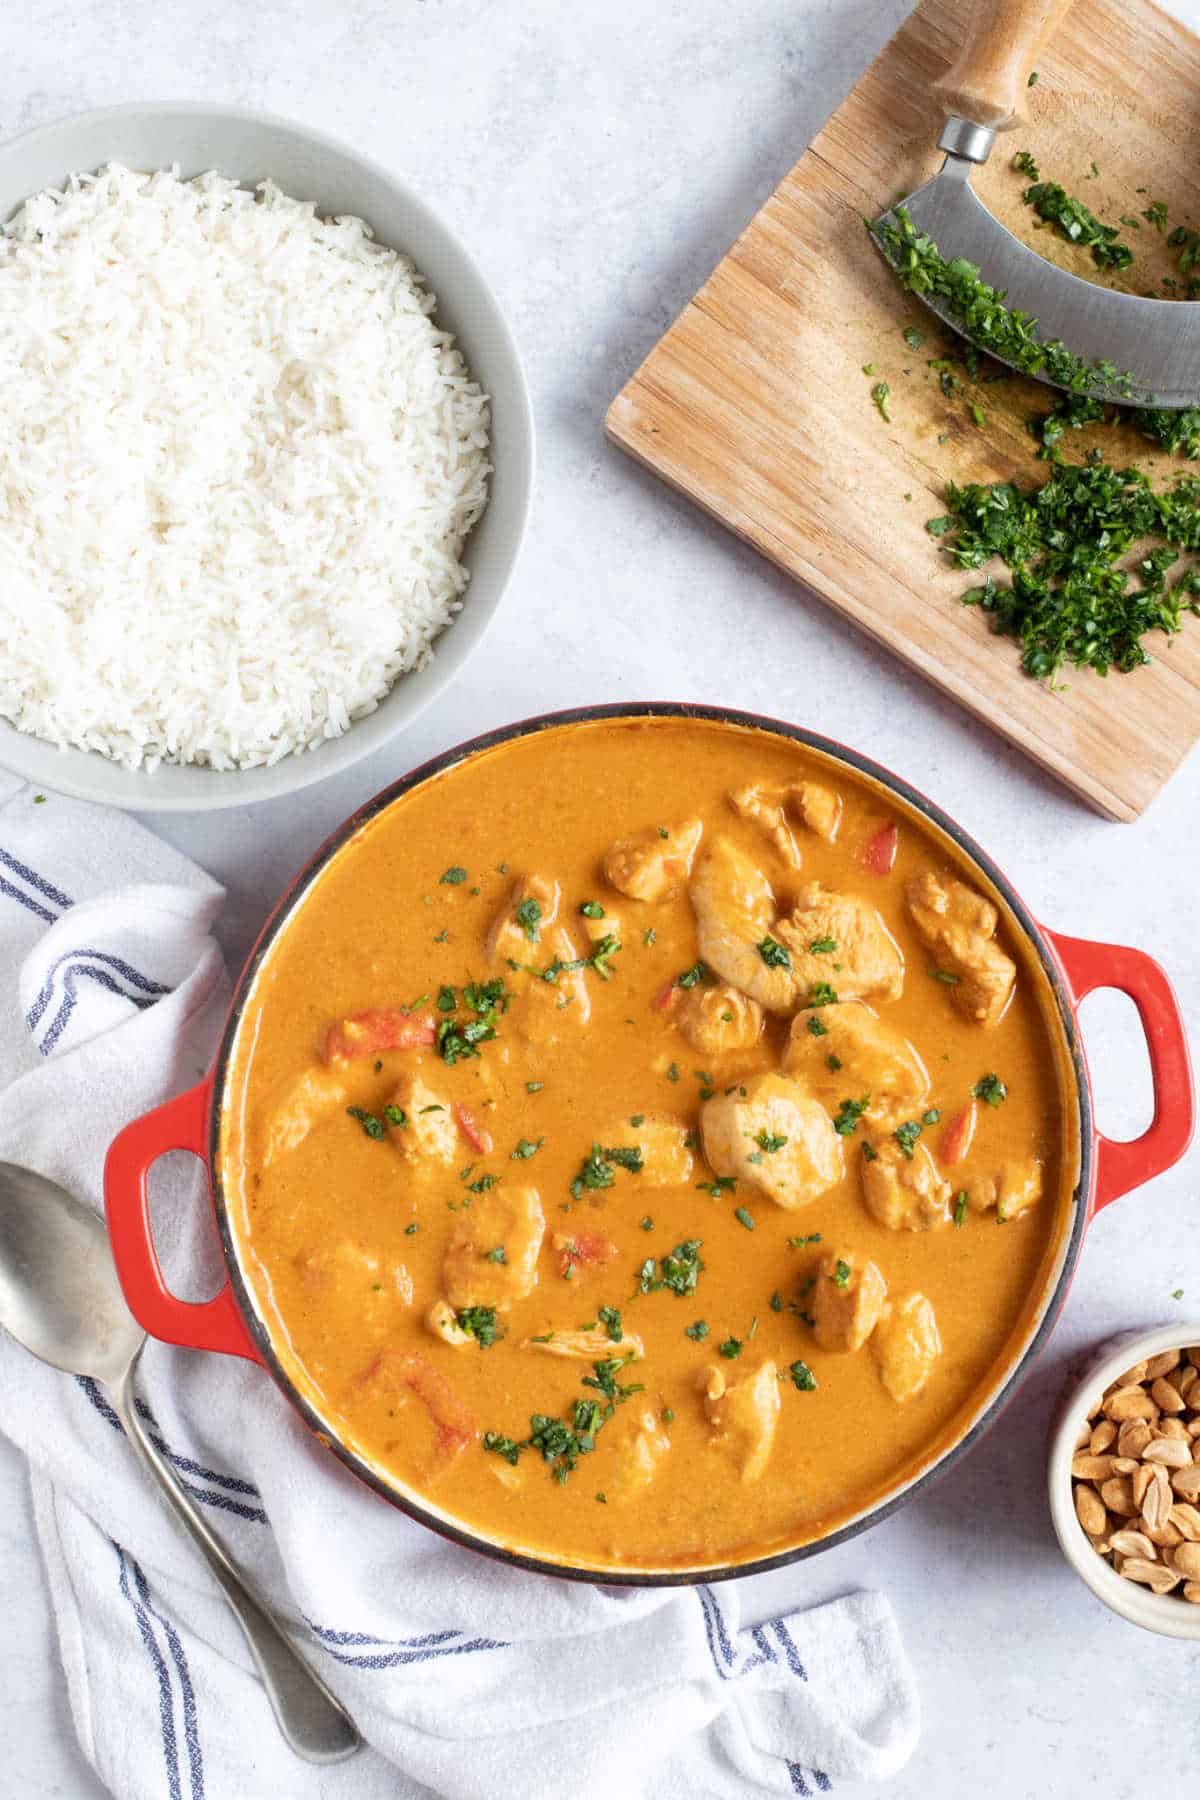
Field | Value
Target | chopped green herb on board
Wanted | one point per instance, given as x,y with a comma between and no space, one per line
881,394
979,312
1070,600
1078,224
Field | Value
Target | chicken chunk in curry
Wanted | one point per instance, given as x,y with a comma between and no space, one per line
775,1137
959,926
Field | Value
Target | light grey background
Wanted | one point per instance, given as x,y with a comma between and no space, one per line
598,160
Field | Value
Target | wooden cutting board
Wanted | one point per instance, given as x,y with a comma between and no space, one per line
756,405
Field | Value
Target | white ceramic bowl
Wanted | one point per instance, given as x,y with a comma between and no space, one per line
1165,1613
250,146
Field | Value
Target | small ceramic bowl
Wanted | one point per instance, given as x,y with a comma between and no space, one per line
1165,1613
250,146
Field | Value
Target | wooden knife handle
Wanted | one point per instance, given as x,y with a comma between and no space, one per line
989,80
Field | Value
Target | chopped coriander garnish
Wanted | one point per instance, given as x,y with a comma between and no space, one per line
848,1115
650,937
798,1243
744,1217
673,1072
990,1089
678,1271
447,999
591,909
610,1318
881,394
913,338
396,1115
637,1119
770,1141
802,1377
411,1230
870,1153
841,1274
907,1135
931,1117
647,1224
720,1184
697,1331
526,1147
776,1302
821,994
534,1087
503,1446
960,1207
496,1256
479,1322
370,1124
529,918
689,978
833,1063
774,954
946,976
453,876
824,946
1033,78
731,1347
818,1029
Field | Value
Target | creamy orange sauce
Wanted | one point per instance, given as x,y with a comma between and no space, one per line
343,1236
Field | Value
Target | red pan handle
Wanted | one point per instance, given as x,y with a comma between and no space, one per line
1087,966
214,1324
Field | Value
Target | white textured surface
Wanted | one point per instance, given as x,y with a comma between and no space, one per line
599,161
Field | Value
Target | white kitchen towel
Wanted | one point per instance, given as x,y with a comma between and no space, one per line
468,1678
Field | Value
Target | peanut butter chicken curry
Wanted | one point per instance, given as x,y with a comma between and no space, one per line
645,1143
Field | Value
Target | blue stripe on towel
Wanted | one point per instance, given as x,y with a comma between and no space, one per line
727,1649
799,1785
191,1728
349,1638
704,1596
154,989
402,1659
789,1649
31,877
59,1022
166,1709
33,906
221,1502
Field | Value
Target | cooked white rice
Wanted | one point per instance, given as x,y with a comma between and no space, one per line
238,461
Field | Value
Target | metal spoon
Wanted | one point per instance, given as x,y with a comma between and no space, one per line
60,1298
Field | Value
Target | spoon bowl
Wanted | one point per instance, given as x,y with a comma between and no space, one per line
59,1292
61,1300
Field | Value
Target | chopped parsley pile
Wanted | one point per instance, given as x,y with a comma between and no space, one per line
1092,552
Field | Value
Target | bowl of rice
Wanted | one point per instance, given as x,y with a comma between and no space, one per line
267,453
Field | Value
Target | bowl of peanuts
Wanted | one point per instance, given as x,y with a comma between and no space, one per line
1125,1477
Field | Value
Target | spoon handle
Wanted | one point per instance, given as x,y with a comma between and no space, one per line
311,1719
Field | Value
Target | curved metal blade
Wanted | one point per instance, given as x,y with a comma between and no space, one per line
1156,341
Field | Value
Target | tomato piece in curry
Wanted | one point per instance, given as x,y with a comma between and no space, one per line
649,1143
